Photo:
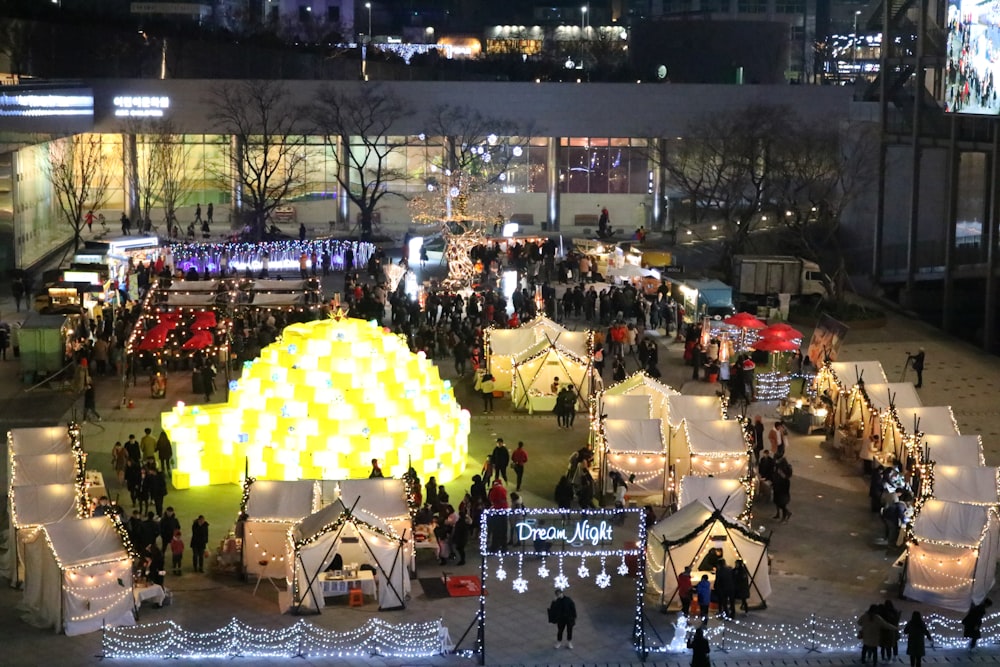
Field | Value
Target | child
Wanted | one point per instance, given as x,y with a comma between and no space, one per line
177,551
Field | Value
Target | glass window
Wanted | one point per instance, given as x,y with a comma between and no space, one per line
538,174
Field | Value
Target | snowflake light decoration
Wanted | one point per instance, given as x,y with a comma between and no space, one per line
501,573
561,581
623,569
521,585
583,571
543,571
603,580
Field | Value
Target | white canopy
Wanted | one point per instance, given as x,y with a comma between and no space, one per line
384,497
952,559
40,440
904,395
194,286
955,450
632,271
504,344
729,495
43,469
78,577
535,369
682,538
635,448
358,537
973,485
936,420
641,384
47,503
272,507
198,299
634,435
265,285
849,372
626,407
277,299
694,408
716,448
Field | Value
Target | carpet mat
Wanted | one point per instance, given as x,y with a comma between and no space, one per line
434,588
461,586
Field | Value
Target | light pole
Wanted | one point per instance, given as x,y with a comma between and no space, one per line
854,41
365,43
583,18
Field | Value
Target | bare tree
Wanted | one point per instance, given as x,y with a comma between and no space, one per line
79,177
358,129
267,152
16,38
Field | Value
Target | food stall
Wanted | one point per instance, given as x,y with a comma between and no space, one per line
713,298
46,343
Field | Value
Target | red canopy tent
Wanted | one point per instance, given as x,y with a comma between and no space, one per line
744,321
775,344
781,330
204,320
199,340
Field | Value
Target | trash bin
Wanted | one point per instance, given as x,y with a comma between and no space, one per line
158,385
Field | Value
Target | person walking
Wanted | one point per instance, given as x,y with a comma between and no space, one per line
486,386
90,403
17,291
699,649
917,362
519,458
177,551
199,543
888,642
781,488
209,213
164,451
118,459
562,612
972,623
501,459
685,589
871,628
704,592
916,631
147,446
157,490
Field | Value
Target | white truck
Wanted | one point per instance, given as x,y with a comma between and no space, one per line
760,276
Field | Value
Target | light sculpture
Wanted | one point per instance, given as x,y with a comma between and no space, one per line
321,403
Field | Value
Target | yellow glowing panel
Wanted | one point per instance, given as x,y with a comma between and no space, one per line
322,402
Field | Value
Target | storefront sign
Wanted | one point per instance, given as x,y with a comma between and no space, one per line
88,277
141,106
582,532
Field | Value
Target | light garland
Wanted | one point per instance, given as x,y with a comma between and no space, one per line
520,584
603,580
301,640
772,386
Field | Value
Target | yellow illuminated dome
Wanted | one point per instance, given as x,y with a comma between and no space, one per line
321,403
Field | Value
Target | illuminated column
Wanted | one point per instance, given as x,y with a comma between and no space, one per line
658,147
552,170
130,182
236,179
344,180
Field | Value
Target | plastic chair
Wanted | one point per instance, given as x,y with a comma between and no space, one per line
356,598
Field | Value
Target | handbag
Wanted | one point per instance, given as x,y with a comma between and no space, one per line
552,616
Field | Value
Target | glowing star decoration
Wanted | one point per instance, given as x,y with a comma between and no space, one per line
543,571
623,569
521,585
561,581
603,580
501,573
334,407
583,571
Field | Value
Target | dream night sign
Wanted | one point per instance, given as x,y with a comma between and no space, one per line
579,533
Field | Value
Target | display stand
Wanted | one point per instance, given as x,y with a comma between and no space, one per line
262,575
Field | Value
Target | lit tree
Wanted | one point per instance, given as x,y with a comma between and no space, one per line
169,157
267,151
357,125
465,193
79,177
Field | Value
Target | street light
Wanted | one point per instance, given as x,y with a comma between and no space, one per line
854,41
364,45
583,17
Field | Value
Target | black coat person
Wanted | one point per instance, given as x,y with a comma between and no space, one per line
501,459
562,612
972,623
725,589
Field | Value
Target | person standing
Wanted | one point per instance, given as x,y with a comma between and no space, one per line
758,437
486,386
562,612
209,213
17,290
133,449
685,590
197,213
169,524
89,400
741,587
157,490
118,459
888,642
302,232
916,631
871,627
177,549
147,446
519,458
460,534
725,589
699,649
972,623
199,543
564,493
376,472
704,592
501,459
126,224
917,361
782,488
164,451
431,492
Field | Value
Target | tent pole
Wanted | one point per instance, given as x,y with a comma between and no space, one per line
388,575
310,580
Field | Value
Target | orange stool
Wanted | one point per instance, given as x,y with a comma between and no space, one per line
356,598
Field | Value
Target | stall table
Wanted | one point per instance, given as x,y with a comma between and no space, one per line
339,585
541,403
95,484
154,592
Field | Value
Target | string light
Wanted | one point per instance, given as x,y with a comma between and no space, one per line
583,571
520,584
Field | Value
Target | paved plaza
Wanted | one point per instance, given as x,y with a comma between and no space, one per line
826,562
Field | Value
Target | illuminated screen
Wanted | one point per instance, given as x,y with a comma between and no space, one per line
973,65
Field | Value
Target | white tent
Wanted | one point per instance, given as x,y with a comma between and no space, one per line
635,447
951,561
868,415
972,485
384,498
934,420
641,384
535,370
78,577
955,450
694,408
272,508
686,537
42,488
626,407
356,536
850,373
902,395
504,344
717,448
729,495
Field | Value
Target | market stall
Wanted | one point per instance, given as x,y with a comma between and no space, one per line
839,377
689,536
46,343
694,408
729,494
360,539
639,384
901,426
867,404
544,368
954,450
502,345
78,577
718,448
972,485
272,507
951,558
47,484
635,448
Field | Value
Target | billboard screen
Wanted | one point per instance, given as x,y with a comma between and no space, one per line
973,65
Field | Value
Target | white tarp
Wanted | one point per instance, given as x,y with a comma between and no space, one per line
952,560
641,384
48,503
504,344
191,299
194,286
78,577
716,448
265,285
274,506
43,469
535,370
974,485
849,372
729,495
636,450
626,407
695,408
935,420
41,440
277,299
634,435
955,450
683,537
318,539
903,394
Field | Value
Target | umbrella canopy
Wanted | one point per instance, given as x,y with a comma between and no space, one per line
744,321
204,320
775,344
782,330
199,340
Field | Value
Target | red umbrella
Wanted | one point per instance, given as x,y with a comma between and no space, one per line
204,320
199,341
775,344
155,339
781,330
744,321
